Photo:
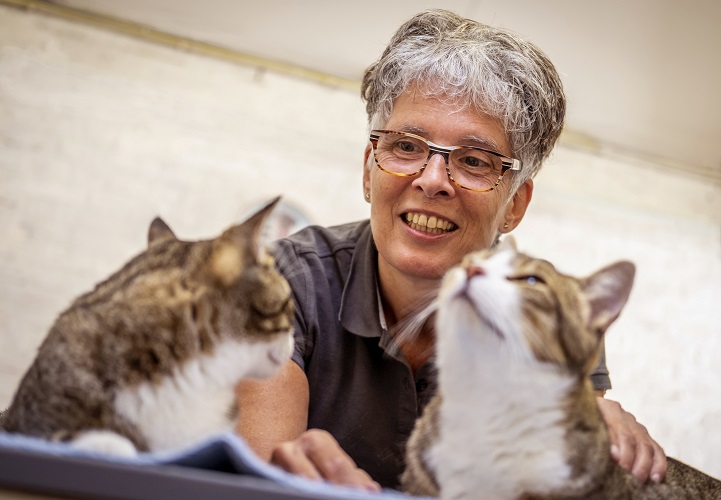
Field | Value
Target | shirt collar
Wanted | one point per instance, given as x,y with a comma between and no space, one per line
358,314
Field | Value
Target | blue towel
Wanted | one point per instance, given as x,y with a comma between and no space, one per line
223,452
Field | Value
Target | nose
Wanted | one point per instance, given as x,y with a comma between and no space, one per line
434,179
472,271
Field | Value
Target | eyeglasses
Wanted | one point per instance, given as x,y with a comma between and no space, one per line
469,167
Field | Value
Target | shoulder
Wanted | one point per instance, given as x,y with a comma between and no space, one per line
321,242
316,260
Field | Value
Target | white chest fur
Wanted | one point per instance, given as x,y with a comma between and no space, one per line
501,430
196,400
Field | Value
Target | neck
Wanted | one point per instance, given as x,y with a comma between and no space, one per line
419,349
527,413
403,295
404,299
512,414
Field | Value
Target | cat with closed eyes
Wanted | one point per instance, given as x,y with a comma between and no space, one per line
149,359
515,416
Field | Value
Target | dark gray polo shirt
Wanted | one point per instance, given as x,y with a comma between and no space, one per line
367,399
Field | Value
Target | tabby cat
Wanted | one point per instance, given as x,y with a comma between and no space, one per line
149,359
515,416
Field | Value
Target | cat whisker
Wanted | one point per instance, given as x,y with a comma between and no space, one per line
410,327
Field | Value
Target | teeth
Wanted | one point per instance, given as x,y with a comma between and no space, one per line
432,224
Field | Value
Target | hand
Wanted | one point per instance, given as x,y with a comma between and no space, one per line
631,445
315,454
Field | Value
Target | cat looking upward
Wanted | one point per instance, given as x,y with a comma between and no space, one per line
515,416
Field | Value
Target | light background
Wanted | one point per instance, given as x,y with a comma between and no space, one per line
99,133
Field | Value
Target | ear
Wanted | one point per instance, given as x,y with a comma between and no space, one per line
238,243
251,229
517,207
159,230
607,291
367,169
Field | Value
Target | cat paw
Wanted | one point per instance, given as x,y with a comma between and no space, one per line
106,443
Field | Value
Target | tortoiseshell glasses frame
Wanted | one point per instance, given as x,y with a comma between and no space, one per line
469,167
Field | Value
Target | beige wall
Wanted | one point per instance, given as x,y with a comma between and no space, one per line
100,133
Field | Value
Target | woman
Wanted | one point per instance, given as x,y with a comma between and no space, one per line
442,82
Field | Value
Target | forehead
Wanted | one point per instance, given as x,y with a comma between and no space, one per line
446,121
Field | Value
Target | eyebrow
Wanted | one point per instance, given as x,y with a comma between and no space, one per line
468,140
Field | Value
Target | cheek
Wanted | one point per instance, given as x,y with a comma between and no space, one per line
384,194
484,217
386,189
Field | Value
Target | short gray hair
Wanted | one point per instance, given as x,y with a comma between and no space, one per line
492,69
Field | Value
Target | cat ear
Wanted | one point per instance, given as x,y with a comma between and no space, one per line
232,249
607,292
159,230
251,229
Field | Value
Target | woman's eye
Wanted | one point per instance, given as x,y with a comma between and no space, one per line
406,147
475,162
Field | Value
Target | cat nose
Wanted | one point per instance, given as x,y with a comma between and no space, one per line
475,271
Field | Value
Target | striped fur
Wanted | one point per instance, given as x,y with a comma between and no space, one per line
516,416
149,359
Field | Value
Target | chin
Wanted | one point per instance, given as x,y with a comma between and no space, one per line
422,268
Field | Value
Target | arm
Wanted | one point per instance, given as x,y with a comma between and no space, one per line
631,445
273,419
273,410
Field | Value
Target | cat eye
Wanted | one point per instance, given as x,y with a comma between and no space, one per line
530,279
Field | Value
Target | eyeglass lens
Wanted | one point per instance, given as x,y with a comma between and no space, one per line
469,167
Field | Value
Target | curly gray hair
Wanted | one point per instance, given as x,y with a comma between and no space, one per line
494,70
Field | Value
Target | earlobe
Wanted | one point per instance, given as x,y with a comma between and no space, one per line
517,206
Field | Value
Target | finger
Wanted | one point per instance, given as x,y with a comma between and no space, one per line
643,461
333,463
343,471
611,412
619,422
658,469
625,450
291,458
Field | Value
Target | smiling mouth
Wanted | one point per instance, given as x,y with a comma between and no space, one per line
432,224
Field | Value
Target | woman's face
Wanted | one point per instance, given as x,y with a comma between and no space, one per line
476,218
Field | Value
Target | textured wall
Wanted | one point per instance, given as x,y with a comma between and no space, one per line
100,133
